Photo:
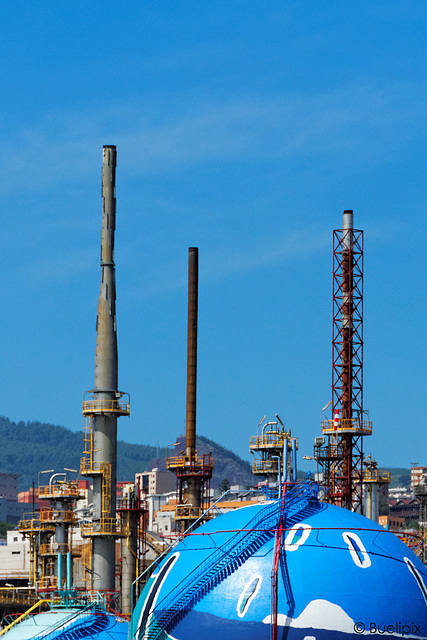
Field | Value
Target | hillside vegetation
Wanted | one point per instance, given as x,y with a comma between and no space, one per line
30,447
399,477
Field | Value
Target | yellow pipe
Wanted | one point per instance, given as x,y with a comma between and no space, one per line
12,624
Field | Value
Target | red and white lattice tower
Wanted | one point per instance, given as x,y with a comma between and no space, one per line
341,459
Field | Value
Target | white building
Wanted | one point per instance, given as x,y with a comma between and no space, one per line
155,482
417,474
14,558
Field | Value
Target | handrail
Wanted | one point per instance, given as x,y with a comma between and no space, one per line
231,555
196,464
156,561
104,526
265,467
374,475
62,490
347,425
57,625
271,439
118,407
208,570
24,615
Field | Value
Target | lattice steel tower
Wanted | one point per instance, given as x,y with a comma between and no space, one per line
341,460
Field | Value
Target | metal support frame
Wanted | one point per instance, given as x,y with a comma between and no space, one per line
343,471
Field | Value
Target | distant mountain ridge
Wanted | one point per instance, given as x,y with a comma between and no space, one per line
31,447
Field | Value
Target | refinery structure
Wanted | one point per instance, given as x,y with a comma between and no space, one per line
152,564
106,402
193,472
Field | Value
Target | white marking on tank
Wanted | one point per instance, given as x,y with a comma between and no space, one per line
417,575
304,530
357,550
249,592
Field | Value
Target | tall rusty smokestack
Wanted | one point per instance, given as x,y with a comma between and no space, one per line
193,283
193,472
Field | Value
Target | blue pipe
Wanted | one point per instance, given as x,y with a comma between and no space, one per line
294,458
285,461
59,571
69,559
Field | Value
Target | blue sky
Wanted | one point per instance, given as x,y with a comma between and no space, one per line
242,128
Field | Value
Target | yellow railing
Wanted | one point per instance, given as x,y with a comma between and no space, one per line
198,464
374,475
106,491
31,522
265,467
184,511
61,490
24,615
87,561
188,512
104,527
271,440
52,548
47,582
116,407
330,452
155,545
57,516
88,442
89,467
344,425
19,596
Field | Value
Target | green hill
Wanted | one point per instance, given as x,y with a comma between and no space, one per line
30,447
399,477
228,465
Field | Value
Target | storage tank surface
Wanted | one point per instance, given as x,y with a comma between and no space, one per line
340,576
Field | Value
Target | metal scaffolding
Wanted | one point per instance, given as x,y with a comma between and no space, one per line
49,532
341,461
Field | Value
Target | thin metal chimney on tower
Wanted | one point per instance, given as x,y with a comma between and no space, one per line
106,402
193,473
193,292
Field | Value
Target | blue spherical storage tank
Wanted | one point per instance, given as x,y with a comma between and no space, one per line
339,576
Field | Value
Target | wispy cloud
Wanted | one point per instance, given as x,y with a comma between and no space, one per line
364,121
265,253
228,261
48,270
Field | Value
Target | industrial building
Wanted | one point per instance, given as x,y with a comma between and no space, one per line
155,482
418,474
